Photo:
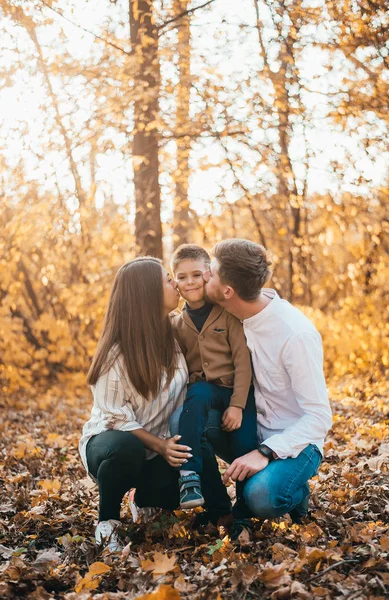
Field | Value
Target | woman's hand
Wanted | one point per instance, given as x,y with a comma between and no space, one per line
175,454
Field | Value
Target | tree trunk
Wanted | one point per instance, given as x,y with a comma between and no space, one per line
144,40
181,219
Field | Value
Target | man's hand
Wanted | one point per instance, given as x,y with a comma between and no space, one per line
232,418
245,466
175,454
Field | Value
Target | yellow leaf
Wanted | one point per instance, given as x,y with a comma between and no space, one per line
163,592
50,486
92,579
98,568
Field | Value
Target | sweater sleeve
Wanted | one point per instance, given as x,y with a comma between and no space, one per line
111,399
303,361
242,364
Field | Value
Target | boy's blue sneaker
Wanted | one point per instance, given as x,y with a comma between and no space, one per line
190,491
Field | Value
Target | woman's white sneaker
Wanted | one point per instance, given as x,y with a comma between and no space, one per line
107,533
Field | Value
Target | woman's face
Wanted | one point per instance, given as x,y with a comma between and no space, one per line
170,293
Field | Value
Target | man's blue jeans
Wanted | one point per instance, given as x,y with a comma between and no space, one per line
280,488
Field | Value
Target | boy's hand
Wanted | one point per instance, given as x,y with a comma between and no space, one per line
232,418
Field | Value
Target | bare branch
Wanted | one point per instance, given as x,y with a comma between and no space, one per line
183,14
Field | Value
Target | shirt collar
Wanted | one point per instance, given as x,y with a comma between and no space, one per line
255,320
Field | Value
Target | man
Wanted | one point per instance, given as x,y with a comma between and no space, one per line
293,412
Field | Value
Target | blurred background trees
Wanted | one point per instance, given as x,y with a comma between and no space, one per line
131,126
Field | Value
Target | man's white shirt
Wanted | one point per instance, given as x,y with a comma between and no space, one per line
293,410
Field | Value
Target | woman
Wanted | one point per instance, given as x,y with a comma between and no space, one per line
138,378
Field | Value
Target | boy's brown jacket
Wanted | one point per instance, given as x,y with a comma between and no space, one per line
217,354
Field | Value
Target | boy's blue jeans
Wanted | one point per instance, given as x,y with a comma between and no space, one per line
201,398
281,487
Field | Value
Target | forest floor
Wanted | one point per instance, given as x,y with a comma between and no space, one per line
48,509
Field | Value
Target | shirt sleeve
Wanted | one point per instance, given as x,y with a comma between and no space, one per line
242,363
303,360
111,399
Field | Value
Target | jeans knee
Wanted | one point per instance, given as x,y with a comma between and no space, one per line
265,501
127,450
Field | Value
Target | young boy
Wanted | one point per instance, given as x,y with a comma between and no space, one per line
218,360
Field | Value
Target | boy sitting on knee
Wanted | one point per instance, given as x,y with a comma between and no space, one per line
220,374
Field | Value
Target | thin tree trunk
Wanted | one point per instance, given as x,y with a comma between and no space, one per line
287,188
181,219
144,40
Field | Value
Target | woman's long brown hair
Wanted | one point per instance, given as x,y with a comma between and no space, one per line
136,327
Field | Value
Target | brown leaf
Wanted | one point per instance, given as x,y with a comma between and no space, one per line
320,591
311,532
40,594
249,574
283,593
183,585
384,543
160,565
274,576
244,538
281,552
298,590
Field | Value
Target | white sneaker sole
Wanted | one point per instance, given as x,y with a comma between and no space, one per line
192,503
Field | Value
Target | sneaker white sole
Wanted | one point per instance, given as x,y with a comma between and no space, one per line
192,503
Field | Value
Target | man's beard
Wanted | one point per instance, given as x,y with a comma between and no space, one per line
215,298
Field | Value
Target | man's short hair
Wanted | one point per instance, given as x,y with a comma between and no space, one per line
244,265
189,252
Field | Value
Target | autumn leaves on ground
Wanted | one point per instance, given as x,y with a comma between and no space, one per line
48,510
126,127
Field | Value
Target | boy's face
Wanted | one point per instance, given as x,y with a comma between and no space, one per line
189,277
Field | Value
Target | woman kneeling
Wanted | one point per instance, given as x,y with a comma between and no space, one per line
138,378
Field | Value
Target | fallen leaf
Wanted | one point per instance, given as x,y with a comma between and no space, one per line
160,564
163,592
384,543
274,576
249,574
183,585
92,579
281,552
6,552
320,591
298,590
45,558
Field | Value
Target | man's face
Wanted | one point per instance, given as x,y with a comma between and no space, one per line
214,289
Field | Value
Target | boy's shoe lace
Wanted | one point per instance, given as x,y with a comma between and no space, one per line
190,491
